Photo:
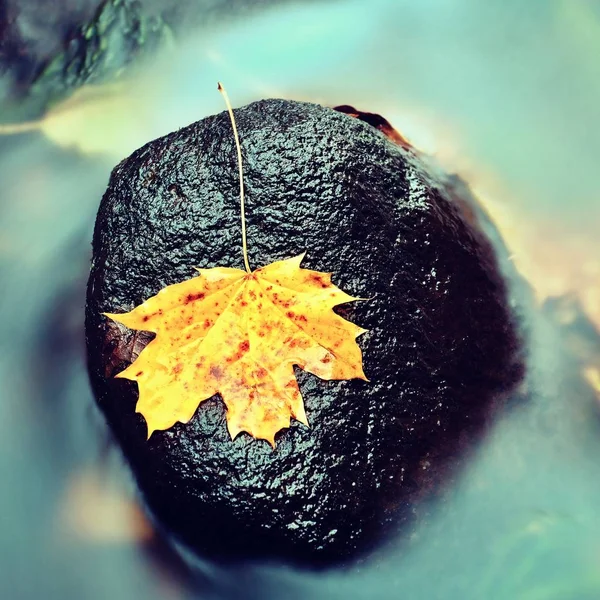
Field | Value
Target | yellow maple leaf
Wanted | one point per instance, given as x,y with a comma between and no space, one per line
239,334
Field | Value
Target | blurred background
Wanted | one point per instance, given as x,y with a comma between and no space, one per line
504,92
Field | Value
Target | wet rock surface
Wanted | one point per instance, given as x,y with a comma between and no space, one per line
441,348
50,49
86,43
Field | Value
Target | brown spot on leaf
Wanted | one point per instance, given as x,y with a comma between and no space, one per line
317,279
244,346
216,371
178,368
193,297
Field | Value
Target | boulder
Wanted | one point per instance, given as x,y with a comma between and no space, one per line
441,351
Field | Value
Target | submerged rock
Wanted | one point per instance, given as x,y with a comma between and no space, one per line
441,347
94,43
49,49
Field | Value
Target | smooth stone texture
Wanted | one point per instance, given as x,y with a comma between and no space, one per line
441,350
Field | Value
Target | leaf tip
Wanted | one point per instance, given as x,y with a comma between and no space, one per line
300,257
150,428
304,421
361,375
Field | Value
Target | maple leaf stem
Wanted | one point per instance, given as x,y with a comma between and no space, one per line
241,174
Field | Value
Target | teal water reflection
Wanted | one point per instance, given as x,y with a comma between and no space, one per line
520,82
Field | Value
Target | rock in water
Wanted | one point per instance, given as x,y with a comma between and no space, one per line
441,347
53,48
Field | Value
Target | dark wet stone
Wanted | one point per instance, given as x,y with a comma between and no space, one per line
32,31
441,350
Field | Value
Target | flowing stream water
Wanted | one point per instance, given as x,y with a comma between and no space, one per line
505,91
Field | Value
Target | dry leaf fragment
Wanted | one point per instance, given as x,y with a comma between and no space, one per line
239,334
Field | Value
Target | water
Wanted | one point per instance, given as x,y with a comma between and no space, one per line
505,90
